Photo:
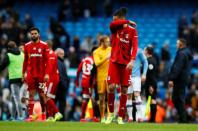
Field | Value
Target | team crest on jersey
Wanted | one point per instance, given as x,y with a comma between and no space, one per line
39,50
34,48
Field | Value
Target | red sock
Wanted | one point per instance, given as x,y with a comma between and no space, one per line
123,99
49,110
111,98
83,107
51,106
30,106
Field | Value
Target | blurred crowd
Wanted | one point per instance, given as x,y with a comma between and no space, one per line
15,29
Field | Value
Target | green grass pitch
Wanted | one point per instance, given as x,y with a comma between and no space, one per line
76,126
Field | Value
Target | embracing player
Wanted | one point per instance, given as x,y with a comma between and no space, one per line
124,42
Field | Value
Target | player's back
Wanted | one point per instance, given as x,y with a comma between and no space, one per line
53,65
36,58
87,67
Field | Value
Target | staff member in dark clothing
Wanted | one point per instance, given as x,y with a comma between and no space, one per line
63,84
14,61
151,81
179,77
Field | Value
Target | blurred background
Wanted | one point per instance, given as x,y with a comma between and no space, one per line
76,25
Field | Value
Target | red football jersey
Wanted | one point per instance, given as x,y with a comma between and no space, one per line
124,42
86,66
36,58
52,69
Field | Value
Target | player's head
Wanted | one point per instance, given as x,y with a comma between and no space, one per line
104,41
120,13
11,45
181,43
50,43
60,53
34,34
148,51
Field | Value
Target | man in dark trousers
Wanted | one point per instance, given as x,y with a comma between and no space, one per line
151,81
179,77
14,61
63,84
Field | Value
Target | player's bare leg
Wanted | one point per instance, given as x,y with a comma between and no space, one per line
111,99
102,107
123,99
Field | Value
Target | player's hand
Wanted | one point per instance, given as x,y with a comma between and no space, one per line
108,56
170,84
151,89
24,77
46,77
43,87
143,78
132,23
130,65
73,95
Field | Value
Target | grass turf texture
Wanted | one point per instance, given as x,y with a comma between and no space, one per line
76,126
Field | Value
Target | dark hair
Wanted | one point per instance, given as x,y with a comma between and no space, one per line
50,43
34,28
120,12
149,49
183,41
11,44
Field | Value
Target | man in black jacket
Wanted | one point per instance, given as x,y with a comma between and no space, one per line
179,77
150,85
63,84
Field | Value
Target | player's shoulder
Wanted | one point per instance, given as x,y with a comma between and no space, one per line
97,50
51,52
89,58
109,48
131,28
43,43
28,44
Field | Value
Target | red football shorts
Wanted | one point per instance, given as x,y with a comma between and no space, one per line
118,74
52,88
86,92
34,83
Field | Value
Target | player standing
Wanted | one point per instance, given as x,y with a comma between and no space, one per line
124,41
101,58
87,68
34,69
135,87
52,84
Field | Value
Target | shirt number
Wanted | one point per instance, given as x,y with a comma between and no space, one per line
87,68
